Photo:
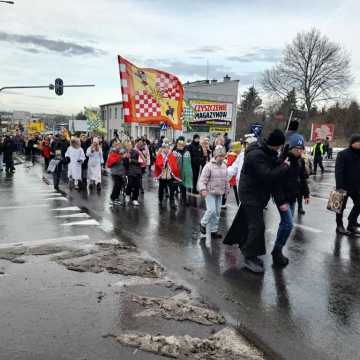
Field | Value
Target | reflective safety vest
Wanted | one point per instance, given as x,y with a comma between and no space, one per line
322,149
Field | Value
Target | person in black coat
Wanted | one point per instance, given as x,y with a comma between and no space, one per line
286,192
347,174
9,148
196,154
1,153
85,144
59,155
60,144
260,171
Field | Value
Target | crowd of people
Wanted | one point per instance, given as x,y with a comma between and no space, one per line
256,170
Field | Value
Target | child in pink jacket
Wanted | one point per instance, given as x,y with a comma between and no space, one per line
213,184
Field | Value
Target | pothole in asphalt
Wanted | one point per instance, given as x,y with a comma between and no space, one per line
179,307
226,344
114,260
14,254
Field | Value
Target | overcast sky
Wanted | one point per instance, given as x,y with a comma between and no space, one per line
79,40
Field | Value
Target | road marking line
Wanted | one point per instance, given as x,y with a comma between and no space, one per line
22,207
82,223
319,198
70,208
56,198
31,190
78,215
308,228
46,241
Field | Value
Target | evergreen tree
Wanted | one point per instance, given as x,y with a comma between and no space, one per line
288,104
250,101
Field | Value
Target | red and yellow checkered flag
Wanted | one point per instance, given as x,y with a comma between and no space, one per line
150,96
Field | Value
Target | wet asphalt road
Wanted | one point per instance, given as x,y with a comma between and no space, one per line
310,310
46,311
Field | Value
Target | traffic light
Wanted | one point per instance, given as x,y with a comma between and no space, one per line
59,86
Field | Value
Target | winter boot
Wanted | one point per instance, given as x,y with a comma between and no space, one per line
216,236
279,260
301,211
254,264
353,229
340,229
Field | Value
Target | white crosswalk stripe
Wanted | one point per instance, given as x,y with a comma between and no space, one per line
82,223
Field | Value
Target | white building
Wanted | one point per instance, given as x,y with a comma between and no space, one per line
207,97
113,118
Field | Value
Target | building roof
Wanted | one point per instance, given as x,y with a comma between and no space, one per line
113,103
207,83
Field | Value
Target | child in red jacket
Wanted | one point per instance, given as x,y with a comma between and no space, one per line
46,153
167,172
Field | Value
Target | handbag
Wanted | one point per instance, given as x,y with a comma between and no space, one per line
336,201
52,165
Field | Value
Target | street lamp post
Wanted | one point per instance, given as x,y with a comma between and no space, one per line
7,2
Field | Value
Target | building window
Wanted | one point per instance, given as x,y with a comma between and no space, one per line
110,113
115,113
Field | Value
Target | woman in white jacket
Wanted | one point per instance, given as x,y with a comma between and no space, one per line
96,159
236,167
75,157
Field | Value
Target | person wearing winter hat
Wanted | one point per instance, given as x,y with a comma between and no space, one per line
261,169
286,191
347,175
213,184
294,140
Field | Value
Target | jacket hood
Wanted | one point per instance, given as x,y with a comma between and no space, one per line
260,145
252,147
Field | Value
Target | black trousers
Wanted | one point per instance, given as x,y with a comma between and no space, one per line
355,211
196,173
254,244
163,184
46,161
118,183
318,161
57,175
300,201
183,191
133,186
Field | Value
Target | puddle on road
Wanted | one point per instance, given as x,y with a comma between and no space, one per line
226,344
179,307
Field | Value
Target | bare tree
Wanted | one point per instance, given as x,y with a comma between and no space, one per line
315,67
